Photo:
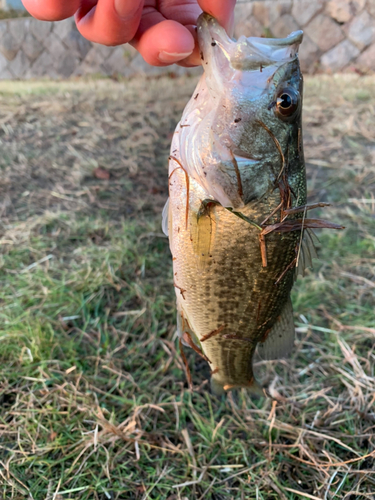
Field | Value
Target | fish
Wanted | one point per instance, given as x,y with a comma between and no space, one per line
236,214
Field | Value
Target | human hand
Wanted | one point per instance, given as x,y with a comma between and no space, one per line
163,31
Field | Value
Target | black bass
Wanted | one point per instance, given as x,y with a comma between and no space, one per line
236,210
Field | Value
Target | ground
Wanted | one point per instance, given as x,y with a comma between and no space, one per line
94,402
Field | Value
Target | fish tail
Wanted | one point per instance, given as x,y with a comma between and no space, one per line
217,387
220,387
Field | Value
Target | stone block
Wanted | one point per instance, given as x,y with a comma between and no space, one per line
62,28
105,51
5,74
42,66
358,6
361,30
370,7
367,59
117,64
3,28
242,14
261,13
340,56
284,26
77,44
304,10
66,65
267,12
243,11
8,46
55,46
20,65
32,47
340,10
18,29
92,63
308,54
40,29
3,63
248,26
324,32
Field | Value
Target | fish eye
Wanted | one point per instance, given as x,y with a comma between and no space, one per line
287,103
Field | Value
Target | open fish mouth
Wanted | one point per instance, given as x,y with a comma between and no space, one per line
245,53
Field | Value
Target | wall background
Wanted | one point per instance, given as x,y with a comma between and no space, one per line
339,36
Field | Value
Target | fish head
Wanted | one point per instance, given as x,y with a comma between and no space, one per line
255,87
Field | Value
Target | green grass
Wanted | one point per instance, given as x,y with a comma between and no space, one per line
94,402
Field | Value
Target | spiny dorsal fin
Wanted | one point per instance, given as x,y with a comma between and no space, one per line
280,340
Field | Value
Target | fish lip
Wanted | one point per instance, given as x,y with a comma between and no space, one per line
245,53
295,37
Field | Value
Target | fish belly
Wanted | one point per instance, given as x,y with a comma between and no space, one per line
223,291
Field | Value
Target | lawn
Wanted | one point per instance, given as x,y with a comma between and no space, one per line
94,402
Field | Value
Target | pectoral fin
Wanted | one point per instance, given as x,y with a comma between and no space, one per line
165,218
203,229
280,339
307,251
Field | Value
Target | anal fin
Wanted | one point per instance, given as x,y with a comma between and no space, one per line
280,339
183,327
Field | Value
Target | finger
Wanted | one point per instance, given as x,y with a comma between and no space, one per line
222,10
109,22
185,12
162,42
51,10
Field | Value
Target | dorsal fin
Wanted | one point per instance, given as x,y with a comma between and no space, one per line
280,339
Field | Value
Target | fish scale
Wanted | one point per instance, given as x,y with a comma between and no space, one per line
226,291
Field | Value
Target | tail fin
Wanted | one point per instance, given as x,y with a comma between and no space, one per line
218,387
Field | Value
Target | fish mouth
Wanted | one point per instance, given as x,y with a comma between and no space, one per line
245,53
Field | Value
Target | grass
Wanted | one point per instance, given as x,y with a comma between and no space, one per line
94,399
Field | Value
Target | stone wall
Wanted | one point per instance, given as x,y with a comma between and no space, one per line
339,35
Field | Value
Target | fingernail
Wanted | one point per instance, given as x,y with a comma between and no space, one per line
172,57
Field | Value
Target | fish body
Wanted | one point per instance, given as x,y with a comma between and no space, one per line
236,167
